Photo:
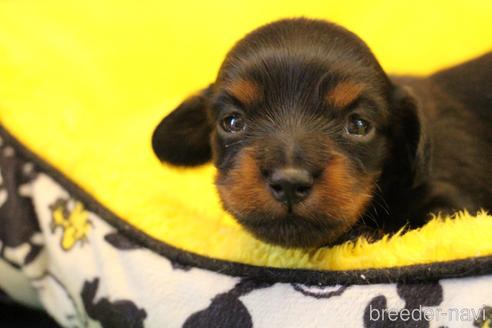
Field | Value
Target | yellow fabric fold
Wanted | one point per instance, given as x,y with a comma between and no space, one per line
83,84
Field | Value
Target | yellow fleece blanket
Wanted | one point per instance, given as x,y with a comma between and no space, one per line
83,84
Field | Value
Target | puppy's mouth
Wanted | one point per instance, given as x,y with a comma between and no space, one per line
292,229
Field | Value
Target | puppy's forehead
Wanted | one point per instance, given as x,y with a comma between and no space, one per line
290,82
339,92
286,59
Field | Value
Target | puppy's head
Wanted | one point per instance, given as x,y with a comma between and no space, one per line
301,124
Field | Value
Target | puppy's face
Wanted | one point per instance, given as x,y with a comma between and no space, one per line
299,124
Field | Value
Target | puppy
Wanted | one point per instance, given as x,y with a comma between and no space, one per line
313,142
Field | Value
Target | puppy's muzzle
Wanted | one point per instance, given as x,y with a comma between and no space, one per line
290,185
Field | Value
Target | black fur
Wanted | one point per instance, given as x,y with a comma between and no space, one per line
431,152
187,143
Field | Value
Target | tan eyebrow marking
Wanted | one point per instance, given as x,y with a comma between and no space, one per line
344,93
245,91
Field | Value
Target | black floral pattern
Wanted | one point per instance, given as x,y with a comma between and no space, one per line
18,220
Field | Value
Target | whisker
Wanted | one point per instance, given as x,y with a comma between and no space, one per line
379,194
234,143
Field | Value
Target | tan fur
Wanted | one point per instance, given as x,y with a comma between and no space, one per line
244,190
247,92
344,93
340,194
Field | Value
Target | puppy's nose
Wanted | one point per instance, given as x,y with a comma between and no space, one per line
290,185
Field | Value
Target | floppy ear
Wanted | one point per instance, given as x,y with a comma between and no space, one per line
183,137
414,147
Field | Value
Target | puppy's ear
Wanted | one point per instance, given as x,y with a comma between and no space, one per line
413,145
183,137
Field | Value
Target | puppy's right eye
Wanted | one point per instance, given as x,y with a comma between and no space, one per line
233,123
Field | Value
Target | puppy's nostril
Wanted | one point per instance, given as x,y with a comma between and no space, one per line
275,187
302,190
265,173
290,185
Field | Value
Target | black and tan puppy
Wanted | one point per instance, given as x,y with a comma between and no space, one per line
313,141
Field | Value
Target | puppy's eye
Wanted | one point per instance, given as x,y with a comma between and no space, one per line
233,123
356,126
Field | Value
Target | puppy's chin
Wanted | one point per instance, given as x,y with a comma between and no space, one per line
293,231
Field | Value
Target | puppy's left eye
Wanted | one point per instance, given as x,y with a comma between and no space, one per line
233,123
357,126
